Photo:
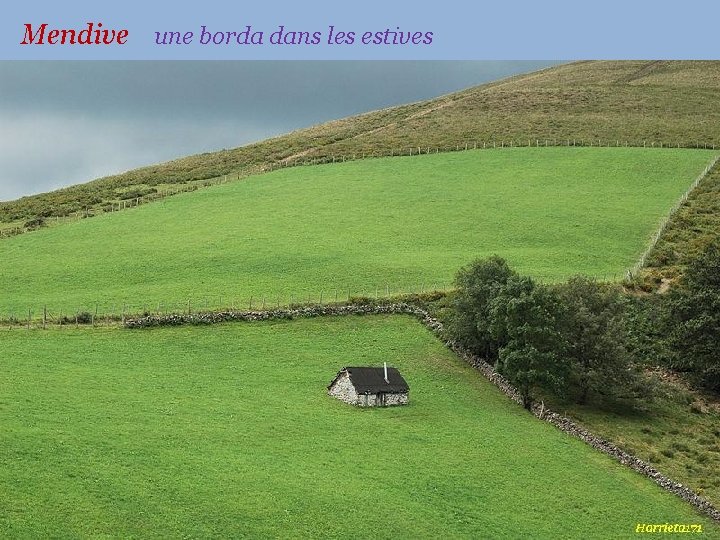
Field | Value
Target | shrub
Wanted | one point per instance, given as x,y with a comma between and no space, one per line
136,193
35,223
82,317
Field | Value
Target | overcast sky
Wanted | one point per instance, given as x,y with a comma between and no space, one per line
64,123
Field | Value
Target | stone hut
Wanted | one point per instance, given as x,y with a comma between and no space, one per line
370,387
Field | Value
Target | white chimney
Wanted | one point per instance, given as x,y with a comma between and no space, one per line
386,379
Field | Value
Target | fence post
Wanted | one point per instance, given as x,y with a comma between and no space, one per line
44,317
28,322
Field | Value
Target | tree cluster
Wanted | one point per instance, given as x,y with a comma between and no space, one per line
570,339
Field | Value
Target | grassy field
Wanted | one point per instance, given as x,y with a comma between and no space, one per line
226,431
391,223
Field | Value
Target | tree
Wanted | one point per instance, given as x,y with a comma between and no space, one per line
594,330
694,319
525,317
477,285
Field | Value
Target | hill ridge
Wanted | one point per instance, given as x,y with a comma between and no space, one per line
575,100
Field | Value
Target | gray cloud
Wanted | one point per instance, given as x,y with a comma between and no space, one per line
69,122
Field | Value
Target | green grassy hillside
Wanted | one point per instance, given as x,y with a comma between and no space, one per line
391,223
673,102
695,225
226,431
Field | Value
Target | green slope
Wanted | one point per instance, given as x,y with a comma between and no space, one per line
226,431
669,102
695,225
374,224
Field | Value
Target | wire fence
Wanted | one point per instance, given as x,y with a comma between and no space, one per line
640,264
44,315
100,312
305,160
105,312
478,145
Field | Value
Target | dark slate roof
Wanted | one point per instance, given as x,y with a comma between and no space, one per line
371,380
